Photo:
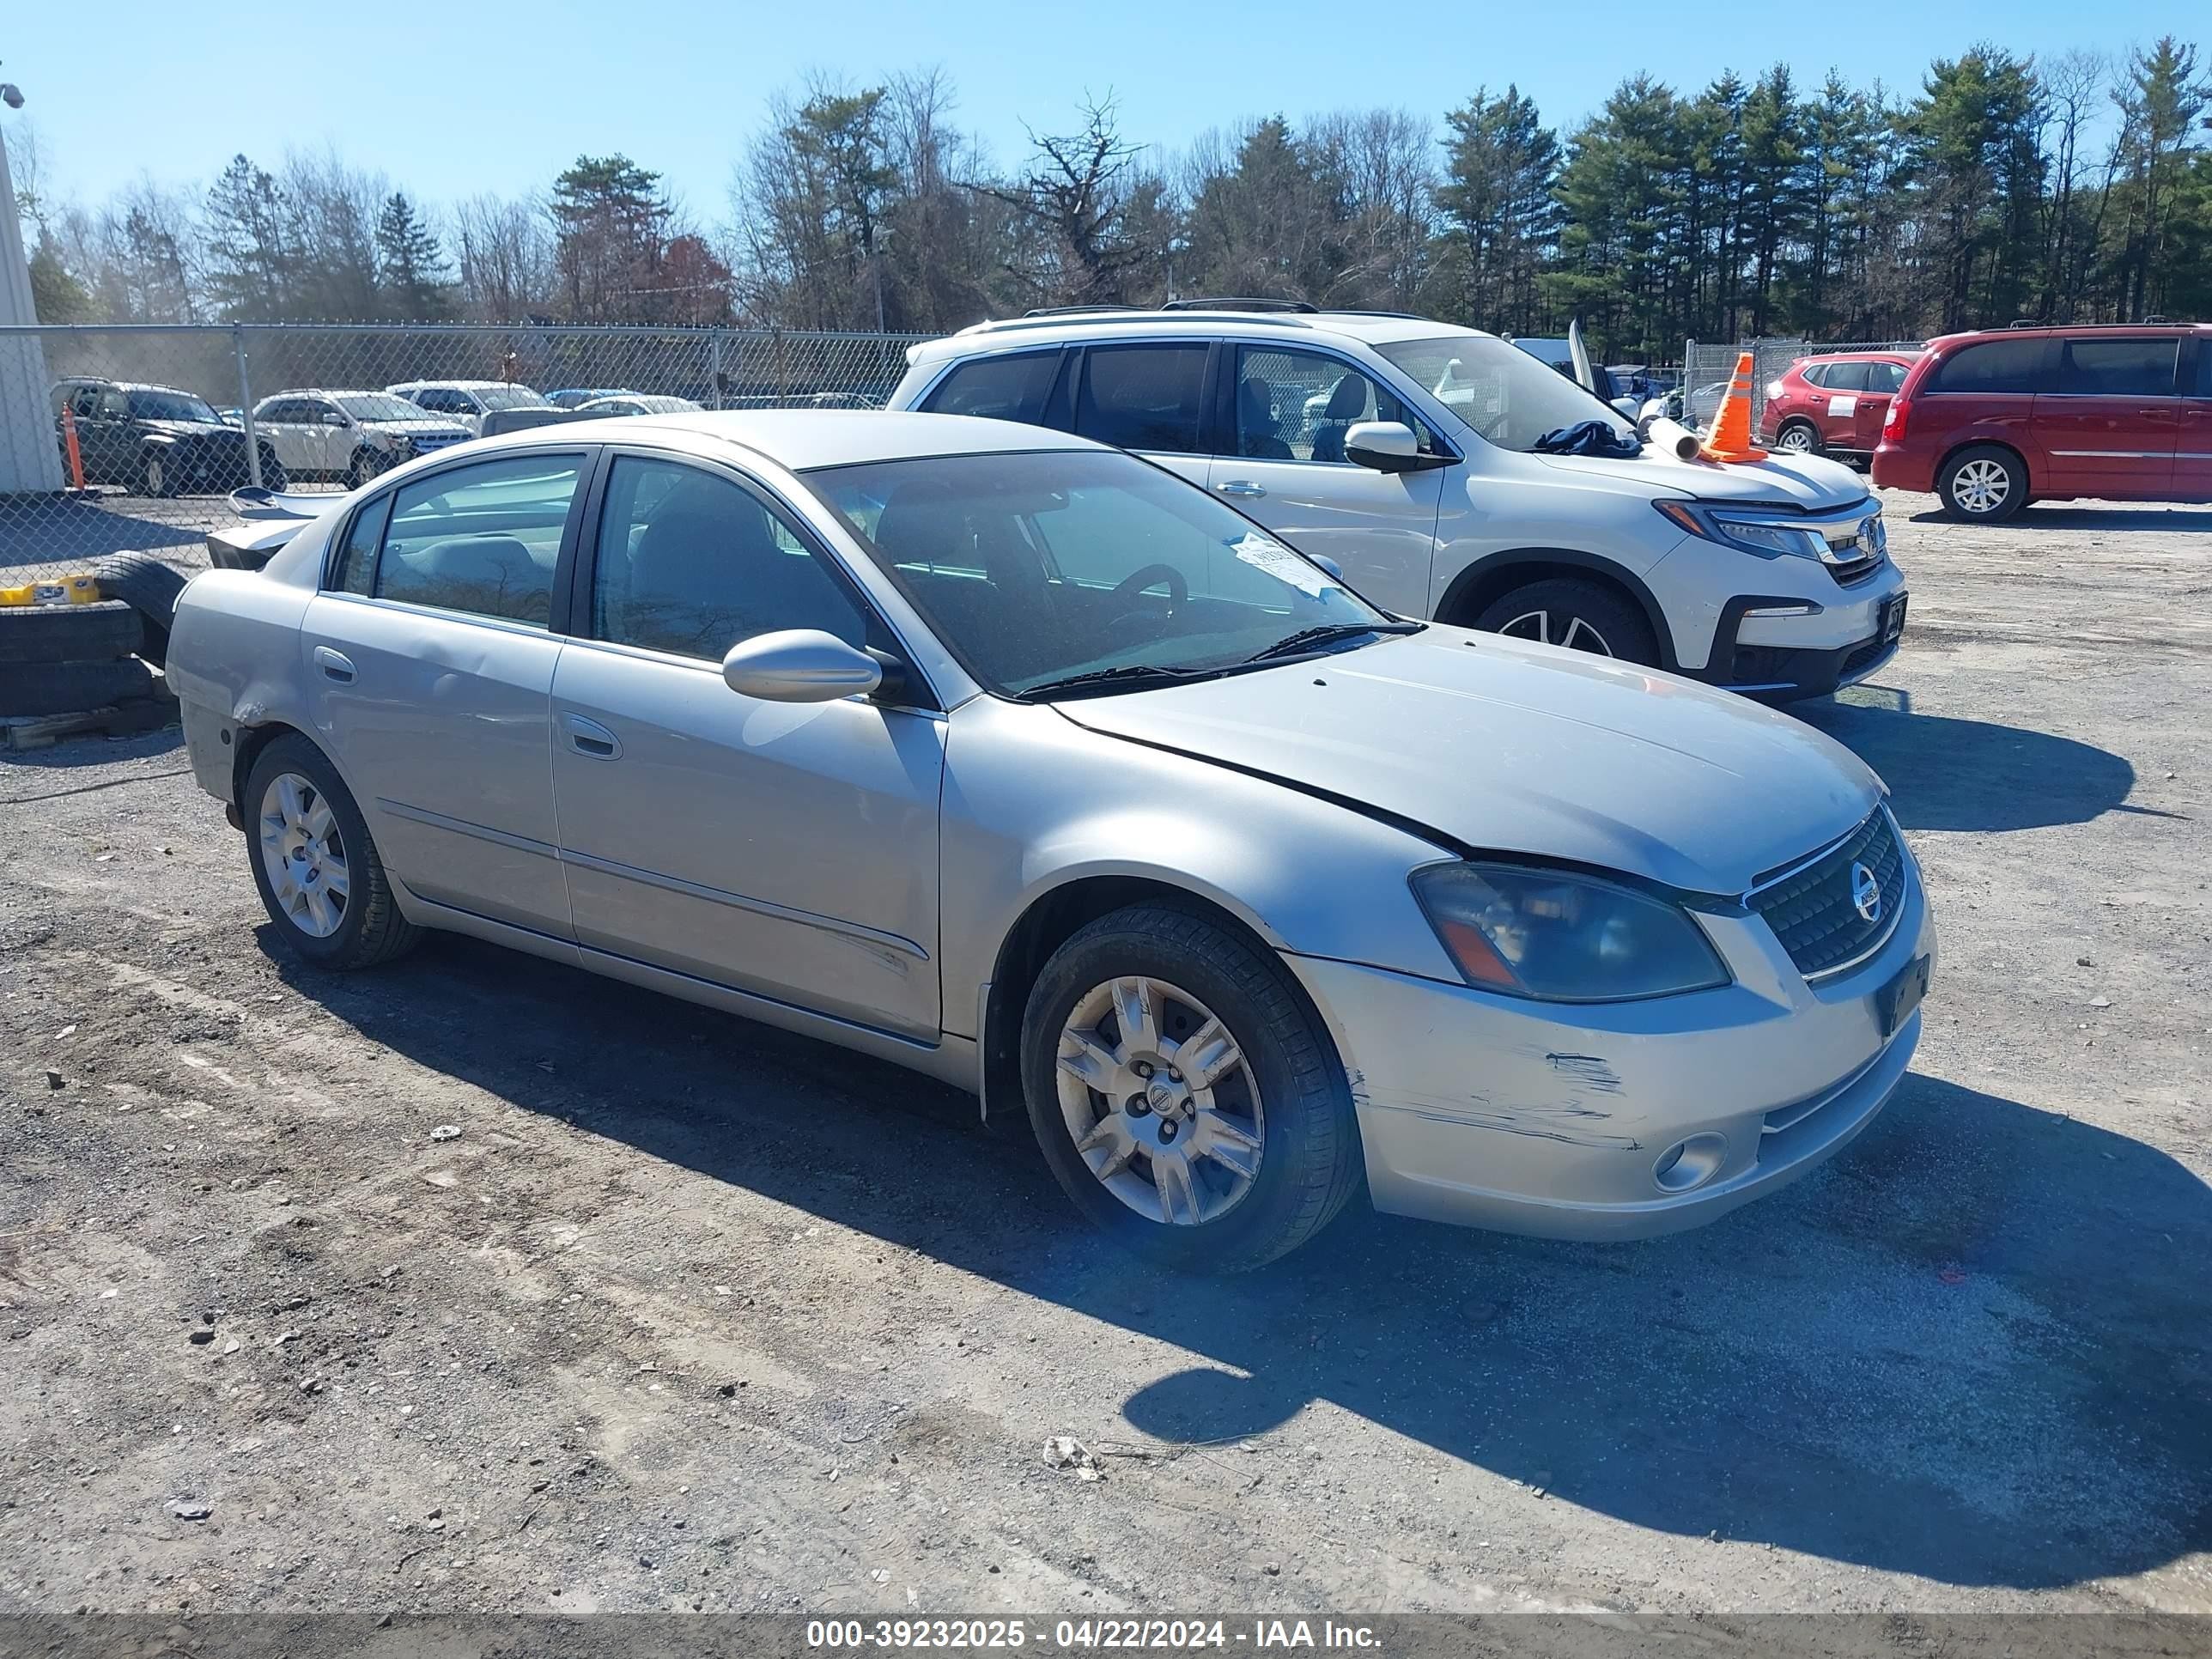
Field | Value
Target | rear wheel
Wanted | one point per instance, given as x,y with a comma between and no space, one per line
317,870
1798,438
1984,483
1581,615
1184,1094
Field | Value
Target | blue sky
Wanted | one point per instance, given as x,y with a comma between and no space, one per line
491,94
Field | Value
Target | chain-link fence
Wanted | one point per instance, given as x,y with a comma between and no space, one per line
1708,366
127,439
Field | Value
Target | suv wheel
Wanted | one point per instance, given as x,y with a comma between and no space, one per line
367,464
1184,1095
153,477
1798,438
1984,483
1582,616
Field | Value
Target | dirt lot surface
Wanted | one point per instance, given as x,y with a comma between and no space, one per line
691,1314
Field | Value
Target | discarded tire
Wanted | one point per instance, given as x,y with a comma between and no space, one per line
150,587
69,688
69,633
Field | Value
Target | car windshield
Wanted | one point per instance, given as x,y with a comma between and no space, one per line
1047,567
1499,390
170,406
509,396
379,406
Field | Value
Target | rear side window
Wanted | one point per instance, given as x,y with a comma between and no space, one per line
1846,377
1991,365
1815,373
1885,377
1143,397
1009,388
356,569
482,539
2118,368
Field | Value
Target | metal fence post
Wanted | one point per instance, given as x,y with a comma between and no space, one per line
715,346
246,405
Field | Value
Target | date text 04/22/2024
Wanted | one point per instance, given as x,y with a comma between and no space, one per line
1090,1635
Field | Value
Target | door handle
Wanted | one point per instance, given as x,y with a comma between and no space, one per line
335,664
1241,487
590,737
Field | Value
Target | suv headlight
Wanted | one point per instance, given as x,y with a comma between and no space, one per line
1769,535
1562,938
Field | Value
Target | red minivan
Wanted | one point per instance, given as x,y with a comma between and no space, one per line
1834,404
1991,422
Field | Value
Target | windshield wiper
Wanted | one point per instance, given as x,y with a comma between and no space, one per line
1326,634
1129,674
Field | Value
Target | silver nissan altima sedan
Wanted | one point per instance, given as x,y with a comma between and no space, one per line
1025,763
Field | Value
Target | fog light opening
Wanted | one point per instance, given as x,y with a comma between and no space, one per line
1690,1164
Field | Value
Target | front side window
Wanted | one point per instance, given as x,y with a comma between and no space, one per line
1500,390
2118,368
482,539
1008,388
1296,405
1143,397
1036,567
689,562
1991,365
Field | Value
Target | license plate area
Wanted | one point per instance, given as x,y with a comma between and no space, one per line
1894,1002
1893,618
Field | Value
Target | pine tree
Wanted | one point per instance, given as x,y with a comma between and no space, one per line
415,281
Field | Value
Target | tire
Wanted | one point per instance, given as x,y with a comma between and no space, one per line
367,929
69,633
367,464
1799,437
156,477
1584,615
273,476
71,688
150,587
1983,483
1283,1091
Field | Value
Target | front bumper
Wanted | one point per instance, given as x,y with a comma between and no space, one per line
1552,1120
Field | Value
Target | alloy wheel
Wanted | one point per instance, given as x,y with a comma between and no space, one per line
1160,1100
303,854
1557,628
1796,440
1980,486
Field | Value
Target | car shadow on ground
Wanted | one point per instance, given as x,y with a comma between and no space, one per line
56,529
1949,774
2043,516
1972,1348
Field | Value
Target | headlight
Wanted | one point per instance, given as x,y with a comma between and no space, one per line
1561,937
1767,534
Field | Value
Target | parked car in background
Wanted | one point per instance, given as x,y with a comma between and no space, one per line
1419,457
1992,421
468,401
349,435
1833,405
569,395
1012,759
638,403
153,439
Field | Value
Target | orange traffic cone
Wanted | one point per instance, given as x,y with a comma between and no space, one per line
1730,437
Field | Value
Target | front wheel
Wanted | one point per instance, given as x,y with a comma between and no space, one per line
1581,615
367,464
155,478
1983,484
318,871
273,476
1184,1094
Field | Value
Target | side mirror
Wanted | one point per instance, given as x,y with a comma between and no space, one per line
800,665
1334,569
1387,446
1627,406
332,417
1652,410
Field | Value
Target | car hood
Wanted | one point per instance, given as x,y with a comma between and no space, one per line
1805,481
1504,745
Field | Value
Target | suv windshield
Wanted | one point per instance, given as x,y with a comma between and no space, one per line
509,396
1499,390
1040,569
169,406
379,406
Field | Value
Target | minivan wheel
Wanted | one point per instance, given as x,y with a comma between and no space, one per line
1581,615
1798,438
314,865
1184,1095
1984,483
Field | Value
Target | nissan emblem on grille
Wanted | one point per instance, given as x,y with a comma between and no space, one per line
1866,893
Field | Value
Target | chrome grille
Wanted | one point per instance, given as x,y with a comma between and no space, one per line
1813,909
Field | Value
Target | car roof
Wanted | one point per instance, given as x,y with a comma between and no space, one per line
798,438
1336,327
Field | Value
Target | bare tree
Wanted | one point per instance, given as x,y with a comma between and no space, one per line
504,249
1077,195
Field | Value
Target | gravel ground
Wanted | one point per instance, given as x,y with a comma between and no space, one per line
689,1313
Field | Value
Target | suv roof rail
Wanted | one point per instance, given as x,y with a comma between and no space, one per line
1240,302
1100,316
2028,322
1075,311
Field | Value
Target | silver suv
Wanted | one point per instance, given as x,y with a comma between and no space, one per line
1435,467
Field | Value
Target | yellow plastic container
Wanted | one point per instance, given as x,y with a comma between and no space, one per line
77,589
25,594
83,590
